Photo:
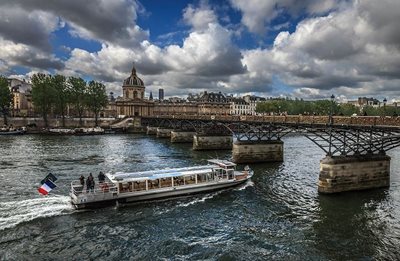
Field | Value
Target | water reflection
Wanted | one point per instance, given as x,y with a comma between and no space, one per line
348,226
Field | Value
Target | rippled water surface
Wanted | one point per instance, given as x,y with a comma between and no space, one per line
278,215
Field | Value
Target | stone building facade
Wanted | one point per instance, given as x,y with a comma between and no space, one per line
133,101
22,97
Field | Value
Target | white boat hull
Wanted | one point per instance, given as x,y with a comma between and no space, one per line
103,199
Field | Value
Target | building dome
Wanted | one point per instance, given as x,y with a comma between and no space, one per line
133,80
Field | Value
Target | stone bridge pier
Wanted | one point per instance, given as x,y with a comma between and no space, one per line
182,136
163,133
347,173
355,157
212,142
257,151
151,130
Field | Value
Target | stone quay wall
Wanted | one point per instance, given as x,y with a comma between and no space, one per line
57,123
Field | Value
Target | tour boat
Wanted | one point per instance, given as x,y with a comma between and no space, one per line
12,131
127,187
89,131
76,131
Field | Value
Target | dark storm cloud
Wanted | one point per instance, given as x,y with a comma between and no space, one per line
383,16
30,60
19,26
111,21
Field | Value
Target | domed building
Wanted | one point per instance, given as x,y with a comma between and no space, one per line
133,102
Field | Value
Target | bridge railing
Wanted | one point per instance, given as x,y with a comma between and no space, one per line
305,119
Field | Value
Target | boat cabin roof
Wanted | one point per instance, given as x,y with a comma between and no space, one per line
222,163
164,173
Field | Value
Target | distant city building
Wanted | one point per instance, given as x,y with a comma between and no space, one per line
364,101
238,106
252,101
176,99
22,97
213,103
111,97
132,102
161,94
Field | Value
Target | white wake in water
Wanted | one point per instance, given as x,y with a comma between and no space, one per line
208,196
199,200
246,185
16,212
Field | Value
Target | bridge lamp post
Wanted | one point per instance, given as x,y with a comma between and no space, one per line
330,123
331,113
384,107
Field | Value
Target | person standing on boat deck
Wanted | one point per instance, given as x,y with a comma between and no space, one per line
101,177
82,181
88,184
91,184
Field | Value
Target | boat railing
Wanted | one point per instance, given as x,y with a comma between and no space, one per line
104,187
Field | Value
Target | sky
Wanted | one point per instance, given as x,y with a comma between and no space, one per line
307,49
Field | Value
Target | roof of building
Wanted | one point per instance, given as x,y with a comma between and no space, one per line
236,100
212,97
133,80
249,98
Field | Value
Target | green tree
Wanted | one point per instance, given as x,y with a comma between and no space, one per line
348,109
370,111
96,98
6,98
77,90
43,94
61,95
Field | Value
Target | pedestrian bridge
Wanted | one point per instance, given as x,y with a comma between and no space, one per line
355,147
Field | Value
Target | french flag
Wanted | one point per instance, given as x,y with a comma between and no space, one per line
47,186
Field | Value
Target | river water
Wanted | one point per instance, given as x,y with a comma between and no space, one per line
278,215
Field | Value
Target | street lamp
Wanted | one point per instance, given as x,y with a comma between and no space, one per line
331,113
384,107
330,123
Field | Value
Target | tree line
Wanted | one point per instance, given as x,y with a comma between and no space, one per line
56,93
321,107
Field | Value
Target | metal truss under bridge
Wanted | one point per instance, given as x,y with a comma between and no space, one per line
334,139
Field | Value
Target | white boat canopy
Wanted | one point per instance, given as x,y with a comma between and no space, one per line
222,163
159,174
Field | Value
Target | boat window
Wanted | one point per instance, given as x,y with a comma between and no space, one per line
178,181
190,179
224,174
230,174
219,173
210,176
139,185
201,178
123,187
154,184
166,182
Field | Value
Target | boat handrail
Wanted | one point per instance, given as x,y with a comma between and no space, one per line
105,187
